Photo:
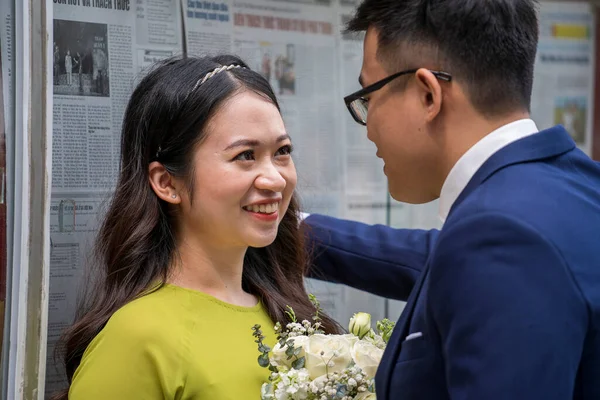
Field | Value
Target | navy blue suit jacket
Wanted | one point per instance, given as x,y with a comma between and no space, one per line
505,298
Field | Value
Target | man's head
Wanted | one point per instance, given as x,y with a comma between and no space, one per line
473,70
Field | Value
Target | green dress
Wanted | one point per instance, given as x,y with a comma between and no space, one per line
175,343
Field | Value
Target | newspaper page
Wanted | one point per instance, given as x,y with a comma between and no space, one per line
208,26
73,225
101,48
564,70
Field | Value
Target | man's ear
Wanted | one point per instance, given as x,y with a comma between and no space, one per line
430,93
162,183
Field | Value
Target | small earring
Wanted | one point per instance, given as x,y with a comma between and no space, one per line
174,196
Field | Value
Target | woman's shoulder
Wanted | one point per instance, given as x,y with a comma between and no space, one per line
155,312
149,333
152,321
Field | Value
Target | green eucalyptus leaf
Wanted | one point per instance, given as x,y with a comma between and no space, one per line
299,363
263,360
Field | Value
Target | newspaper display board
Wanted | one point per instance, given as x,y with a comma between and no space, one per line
101,47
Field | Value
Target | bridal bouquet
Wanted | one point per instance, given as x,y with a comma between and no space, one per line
307,364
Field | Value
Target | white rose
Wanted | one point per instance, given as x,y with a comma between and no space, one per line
367,356
327,354
351,338
278,353
365,396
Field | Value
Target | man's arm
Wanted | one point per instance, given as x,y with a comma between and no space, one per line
373,258
510,316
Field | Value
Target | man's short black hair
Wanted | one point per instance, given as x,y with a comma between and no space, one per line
488,45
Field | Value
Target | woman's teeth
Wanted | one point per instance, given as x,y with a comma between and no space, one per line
263,208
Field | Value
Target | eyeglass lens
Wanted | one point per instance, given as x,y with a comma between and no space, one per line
359,106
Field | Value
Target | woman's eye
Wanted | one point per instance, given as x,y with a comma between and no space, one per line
285,150
247,155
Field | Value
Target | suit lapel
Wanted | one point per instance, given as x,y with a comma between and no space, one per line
386,367
548,143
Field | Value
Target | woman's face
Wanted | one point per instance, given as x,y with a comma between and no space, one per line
244,176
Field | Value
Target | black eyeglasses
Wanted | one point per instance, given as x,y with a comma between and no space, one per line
358,105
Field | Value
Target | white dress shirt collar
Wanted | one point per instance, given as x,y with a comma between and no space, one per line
476,156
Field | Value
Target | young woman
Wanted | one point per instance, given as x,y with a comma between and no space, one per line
200,242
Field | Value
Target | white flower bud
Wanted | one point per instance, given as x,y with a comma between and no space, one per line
360,324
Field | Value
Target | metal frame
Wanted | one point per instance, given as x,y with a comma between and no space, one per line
30,264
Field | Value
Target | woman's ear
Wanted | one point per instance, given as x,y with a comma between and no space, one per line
162,183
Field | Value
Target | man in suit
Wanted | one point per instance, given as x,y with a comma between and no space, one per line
504,301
